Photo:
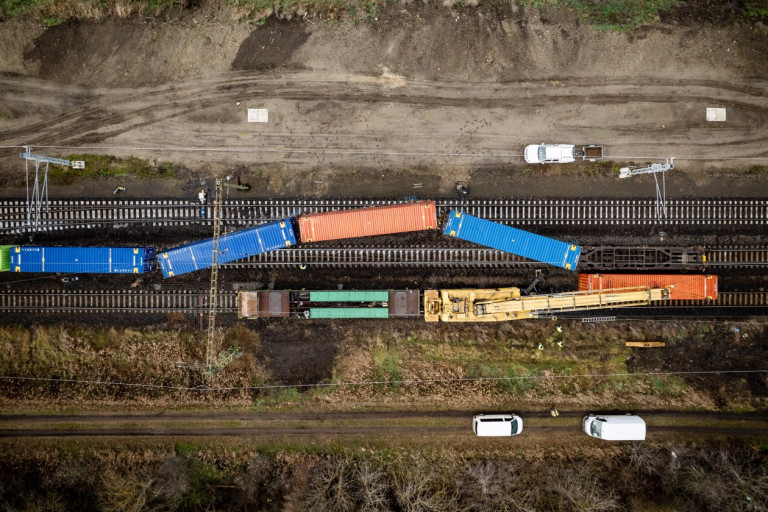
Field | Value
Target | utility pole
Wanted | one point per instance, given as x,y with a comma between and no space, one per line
215,363
40,191
661,191
213,295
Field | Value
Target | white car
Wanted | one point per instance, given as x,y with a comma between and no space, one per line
550,153
615,427
497,425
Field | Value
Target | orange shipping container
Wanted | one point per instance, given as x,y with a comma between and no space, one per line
379,220
681,286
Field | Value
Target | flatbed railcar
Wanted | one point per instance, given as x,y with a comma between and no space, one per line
328,304
362,222
508,239
86,260
232,247
643,258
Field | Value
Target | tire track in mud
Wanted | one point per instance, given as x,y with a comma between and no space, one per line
104,114
308,431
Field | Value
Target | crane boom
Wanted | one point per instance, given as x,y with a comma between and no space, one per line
504,304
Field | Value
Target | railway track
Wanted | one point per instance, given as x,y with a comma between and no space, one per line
592,258
92,214
194,301
111,301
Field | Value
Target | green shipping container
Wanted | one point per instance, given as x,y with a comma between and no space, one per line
348,313
5,258
350,296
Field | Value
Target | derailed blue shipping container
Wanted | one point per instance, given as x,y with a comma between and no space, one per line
512,240
232,246
83,260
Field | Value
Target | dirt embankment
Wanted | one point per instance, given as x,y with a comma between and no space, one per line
417,42
419,94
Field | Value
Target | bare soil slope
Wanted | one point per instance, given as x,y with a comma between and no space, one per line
422,89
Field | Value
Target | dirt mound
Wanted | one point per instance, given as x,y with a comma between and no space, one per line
417,41
270,46
133,52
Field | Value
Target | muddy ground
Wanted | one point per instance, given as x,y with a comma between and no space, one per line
415,99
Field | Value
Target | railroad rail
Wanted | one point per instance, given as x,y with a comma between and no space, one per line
592,258
113,301
194,301
79,214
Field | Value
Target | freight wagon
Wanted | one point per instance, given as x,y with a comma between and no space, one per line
85,260
681,287
512,240
232,246
360,222
328,304
5,258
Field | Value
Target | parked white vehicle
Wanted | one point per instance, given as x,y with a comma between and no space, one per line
497,425
550,153
615,427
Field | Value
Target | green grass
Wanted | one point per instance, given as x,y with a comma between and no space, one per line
668,385
754,9
617,15
386,366
354,10
12,8
105,166
620,15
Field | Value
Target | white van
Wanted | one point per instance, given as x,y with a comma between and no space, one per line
487,425
617,427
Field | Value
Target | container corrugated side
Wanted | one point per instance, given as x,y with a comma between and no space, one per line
360,222
321,313
83,260
5,258
349,296
512,240
232,246
681,286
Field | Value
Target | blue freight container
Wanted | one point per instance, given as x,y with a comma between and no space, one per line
512,240
232,246
83,260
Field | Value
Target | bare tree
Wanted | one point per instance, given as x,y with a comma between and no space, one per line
45,502
262,483
373,488
731,478
331,486
490,485
577,489
171,481
129,492
647,459
418,489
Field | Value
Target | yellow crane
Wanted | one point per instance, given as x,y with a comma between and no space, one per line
504,304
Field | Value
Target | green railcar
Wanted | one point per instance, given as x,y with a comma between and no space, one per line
349,296
5,258
319,313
